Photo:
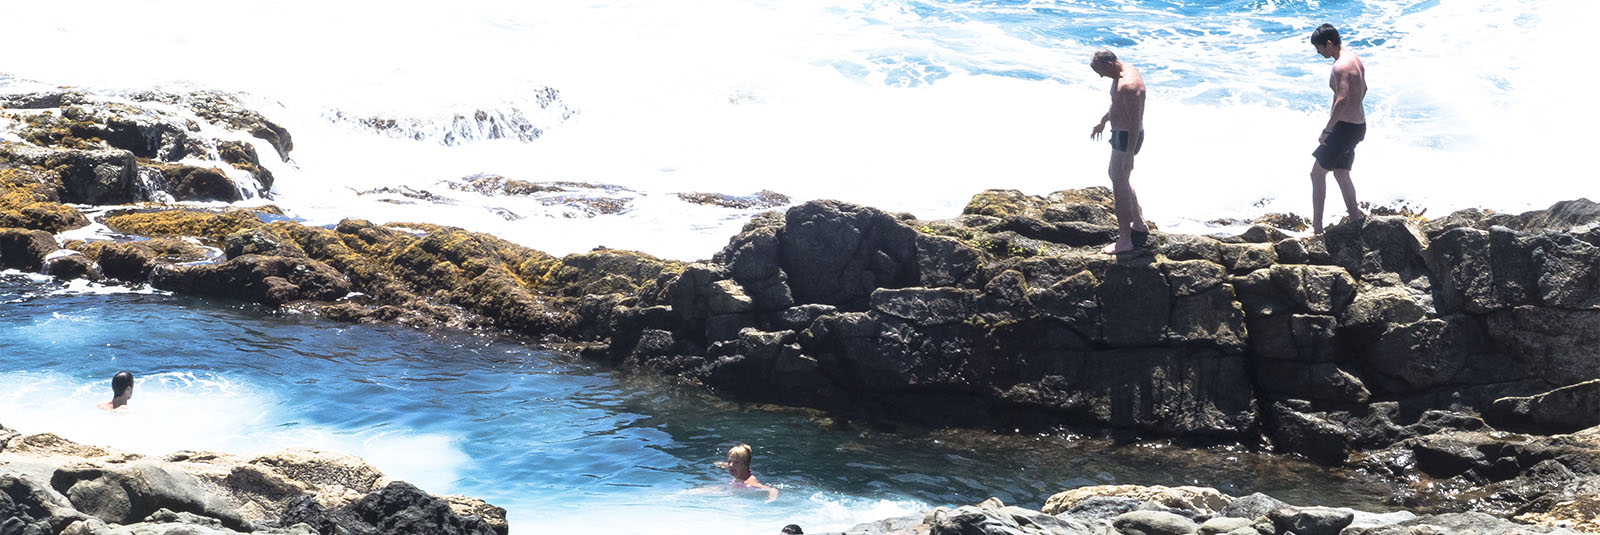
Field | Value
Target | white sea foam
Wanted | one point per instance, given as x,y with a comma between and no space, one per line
174,411
868,102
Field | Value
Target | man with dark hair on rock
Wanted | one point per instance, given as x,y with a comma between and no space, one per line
1347,125
121,391
1127,137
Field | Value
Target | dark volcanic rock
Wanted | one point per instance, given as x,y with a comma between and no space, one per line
1563,410
261,279
1311,520
72,266
31,508
25,249
398,509
837,254
189,183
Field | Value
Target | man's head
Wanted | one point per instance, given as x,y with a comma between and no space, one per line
792,529
1106,64
122,385
1326,39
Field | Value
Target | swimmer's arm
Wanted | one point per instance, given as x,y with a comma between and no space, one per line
772,493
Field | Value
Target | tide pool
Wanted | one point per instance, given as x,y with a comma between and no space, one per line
561,443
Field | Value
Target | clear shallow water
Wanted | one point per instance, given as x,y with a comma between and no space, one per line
909,105
560,443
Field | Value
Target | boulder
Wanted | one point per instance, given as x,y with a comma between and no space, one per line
838,254
92,176
1221,525
994,518
1153,523
192,183
25,249
1311,520
396,509
1563,410
71,266
129,493
1252,506
1553,345
225,110
258,241
1203,499
1457,524
272,280
31,508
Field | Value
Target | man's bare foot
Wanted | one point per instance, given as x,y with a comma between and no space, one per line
1118,248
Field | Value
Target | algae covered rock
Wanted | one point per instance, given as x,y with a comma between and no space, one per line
30,199
209,226
270,280
25,249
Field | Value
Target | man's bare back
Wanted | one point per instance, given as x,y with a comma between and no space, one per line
1349,84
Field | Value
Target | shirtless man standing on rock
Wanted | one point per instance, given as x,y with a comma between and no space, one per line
1347,125
1127,136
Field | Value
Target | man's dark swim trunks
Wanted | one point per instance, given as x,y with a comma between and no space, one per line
1119,141
1339,150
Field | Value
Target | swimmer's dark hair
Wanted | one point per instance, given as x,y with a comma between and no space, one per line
121,382
792,529
1103,57
1324,34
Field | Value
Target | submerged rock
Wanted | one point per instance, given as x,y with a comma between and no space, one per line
761,199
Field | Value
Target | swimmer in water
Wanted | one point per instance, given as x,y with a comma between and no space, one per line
121,391
743,478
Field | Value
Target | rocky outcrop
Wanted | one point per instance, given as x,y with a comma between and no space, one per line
117,150
30,199
1161,511
1375,337
51,485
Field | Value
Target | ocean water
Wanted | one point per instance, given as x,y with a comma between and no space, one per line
563,445
905,105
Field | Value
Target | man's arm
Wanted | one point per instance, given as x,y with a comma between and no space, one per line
1342,82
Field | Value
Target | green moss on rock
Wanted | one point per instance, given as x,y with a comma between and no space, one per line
212,228
29,198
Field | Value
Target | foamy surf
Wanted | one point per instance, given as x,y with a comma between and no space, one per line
907,107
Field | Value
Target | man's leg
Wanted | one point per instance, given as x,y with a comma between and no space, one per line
1319,190
1137,217
1122,192
1348,188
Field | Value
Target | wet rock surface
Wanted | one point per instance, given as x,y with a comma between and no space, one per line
122,149
1147,512
49,485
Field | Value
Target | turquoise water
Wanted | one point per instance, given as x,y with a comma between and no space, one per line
557,441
